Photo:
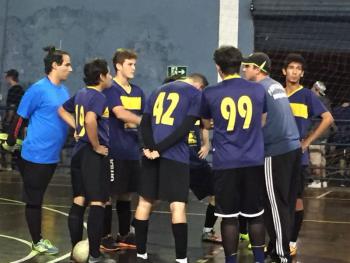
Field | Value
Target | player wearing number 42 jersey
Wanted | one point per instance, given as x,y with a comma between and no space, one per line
170,113
237,108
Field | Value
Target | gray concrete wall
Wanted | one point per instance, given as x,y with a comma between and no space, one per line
163,32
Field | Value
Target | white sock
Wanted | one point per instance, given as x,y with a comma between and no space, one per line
144,256
292,243
207,229
183,260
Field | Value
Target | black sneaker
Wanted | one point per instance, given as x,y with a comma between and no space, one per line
108,244
127,241
101,259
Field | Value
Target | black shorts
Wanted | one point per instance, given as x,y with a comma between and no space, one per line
304,173
36,177
239,191
201,181
124,175
164,179
90,175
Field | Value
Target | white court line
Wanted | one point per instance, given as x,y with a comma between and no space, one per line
327,222
32,255
324,194
29,256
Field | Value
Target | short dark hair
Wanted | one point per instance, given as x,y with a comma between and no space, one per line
121,54
229,59
12,73
93,69
53,55
173,78
294,57
200,76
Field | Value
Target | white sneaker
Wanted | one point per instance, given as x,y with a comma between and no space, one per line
324,184
315,184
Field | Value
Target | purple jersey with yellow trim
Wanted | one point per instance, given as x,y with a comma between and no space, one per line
236,107
124,143
305,106
169,105
85,100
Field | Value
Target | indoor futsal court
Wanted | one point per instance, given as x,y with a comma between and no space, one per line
326,225
234,113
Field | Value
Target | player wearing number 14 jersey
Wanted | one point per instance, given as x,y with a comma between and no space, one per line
237,108
170,113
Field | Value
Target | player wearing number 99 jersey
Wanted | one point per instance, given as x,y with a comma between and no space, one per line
237,108
170,113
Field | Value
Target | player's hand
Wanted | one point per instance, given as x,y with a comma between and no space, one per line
76,136
147,153
101,149
155,155
203,152
304,145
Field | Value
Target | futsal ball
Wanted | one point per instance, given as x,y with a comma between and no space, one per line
81,251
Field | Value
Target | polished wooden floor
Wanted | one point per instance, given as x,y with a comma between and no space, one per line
325,235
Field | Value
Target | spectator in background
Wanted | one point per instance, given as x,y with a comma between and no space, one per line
341,114
14,97
317,151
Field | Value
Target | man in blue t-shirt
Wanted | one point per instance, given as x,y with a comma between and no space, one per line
305,105
237,107
282,157
126,103
45,137
170,113
90,163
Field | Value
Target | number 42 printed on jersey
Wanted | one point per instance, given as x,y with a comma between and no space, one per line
165,116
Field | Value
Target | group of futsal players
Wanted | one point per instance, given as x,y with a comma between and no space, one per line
157,148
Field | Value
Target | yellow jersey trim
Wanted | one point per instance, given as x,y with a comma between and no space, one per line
295,91
93,87
233,76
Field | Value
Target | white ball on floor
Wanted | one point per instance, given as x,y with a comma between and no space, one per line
80,251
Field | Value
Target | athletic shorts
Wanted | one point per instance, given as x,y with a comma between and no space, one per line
201,181
304,173
36,177
90,175
125,175
164,179
239,191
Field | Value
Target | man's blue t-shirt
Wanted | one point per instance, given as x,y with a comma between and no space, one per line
280,131
46,132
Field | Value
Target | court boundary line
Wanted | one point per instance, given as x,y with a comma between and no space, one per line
67,255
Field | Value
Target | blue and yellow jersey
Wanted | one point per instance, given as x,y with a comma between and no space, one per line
305,105
169,105
124,143
236,106
86,100
195,143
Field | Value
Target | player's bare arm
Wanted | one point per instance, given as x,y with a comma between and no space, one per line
91,129
327,120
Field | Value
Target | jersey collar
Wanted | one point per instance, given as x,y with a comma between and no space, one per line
233,76
93,87
295,91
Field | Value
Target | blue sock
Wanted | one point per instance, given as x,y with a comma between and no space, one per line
258,254
231,259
